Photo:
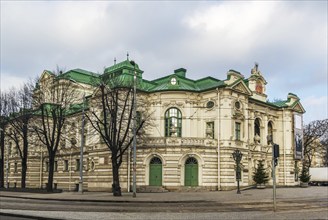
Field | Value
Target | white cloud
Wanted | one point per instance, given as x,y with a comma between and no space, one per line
316,108
288,39
8,81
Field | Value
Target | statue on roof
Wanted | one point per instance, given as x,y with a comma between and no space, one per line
255,69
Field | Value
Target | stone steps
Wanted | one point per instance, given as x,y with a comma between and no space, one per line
191,189
151,189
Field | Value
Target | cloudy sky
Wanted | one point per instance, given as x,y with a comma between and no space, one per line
287,39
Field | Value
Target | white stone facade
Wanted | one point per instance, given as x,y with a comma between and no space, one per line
214,123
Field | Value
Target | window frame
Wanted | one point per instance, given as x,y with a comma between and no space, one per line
77,164
210,125
257,127
66,165
168,122
238,131
55,166
15,167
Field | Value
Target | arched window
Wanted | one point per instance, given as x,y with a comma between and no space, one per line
257,127
173,121
257,131
270,131
155,160
191,160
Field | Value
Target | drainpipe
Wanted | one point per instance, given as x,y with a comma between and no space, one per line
219,132
70,171
129,167
41,168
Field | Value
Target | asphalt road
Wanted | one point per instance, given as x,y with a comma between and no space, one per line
189,206
292,203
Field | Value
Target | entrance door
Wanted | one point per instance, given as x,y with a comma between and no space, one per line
155,172
191,172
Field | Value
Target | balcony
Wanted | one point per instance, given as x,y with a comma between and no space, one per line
180,141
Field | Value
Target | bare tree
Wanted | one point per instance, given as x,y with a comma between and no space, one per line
313,135
4,113
18,123
111,115
52,102
324,142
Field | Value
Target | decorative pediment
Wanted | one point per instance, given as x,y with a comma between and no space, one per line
297,107
241,87
46,74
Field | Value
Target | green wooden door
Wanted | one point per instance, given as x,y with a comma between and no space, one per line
155,172
191,172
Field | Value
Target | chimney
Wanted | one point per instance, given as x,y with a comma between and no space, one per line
180,72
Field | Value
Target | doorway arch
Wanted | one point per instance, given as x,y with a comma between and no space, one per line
191,172
155,172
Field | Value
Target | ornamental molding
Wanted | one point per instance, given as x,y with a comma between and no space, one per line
173,104
241,88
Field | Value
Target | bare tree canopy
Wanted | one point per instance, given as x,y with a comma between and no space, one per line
111,115
52,102
16,106
4,113
315,136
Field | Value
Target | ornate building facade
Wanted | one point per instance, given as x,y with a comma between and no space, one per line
196,126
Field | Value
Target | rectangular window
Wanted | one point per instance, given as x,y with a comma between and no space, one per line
47,166
237,131
138,118
210,130
77,168
15,167
56,166
65,165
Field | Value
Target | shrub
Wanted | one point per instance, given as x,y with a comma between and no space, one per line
260,176
305,177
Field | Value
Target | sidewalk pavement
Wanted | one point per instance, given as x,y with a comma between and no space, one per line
250,195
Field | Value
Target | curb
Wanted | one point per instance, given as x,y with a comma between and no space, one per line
27,216
106,201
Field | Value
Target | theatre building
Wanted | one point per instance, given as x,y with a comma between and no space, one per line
196,125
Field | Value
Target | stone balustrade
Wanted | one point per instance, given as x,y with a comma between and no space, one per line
180,141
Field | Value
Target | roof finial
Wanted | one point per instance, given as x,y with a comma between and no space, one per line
127,56
256,66
255,69
114,60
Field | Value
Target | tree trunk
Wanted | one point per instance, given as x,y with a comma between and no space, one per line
2,162
116,188
50,173
24,169
25,150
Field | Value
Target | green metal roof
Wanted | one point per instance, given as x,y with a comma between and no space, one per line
121,74
184,84
126,64
280,103
81,76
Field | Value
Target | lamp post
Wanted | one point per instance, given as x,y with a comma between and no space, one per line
134,188
237,156
81,149
275,155
80,189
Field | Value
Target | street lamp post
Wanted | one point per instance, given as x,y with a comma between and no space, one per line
81,149
134,128
237,156
80,189
275,155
